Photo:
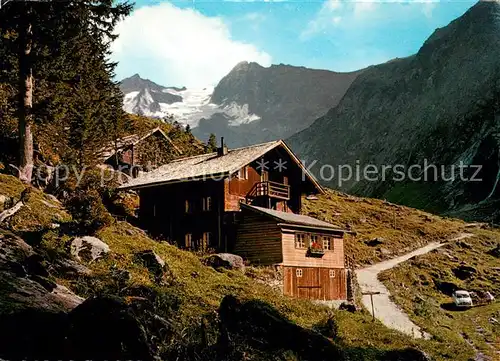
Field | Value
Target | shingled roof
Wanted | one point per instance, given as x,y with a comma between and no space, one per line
210,166
293,219
133,139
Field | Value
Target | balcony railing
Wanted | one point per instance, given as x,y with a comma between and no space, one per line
270,189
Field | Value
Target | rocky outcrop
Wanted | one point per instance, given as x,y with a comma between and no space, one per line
464,272
257,326
267,330
155,264
495,252
88,248
26,283
225,260
438,107
98,329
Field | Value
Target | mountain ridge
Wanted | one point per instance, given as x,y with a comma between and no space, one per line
440,105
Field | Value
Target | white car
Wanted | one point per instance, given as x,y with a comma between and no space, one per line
462,299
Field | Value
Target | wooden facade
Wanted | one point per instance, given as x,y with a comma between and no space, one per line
315,283
133,153
264,240
218,202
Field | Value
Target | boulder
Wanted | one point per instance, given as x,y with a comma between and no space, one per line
464,272
105,328
23,273
154,263
88,248
260,326
348,306
385,251
101,328
3,200
68,267
225,260
408,354
375,242
495,252
464,245
445,287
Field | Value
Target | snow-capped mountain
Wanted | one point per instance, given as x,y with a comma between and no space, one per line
188,106
251,104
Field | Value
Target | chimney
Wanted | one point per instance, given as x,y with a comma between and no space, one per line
222,150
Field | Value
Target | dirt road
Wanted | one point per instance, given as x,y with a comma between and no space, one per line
385,310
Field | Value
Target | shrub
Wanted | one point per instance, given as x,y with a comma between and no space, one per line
88,210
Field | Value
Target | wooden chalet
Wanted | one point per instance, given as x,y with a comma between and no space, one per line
310,251
247,201
135,153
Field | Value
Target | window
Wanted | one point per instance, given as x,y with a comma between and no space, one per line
332,273
188,206
188,240
298,272
314,241
206,240
207,203
243,173
327,243
300,240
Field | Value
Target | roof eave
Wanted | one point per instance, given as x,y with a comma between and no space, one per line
305,226
215,177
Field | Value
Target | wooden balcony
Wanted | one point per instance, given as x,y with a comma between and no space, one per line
270,189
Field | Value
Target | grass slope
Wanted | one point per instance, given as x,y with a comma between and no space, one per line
401,229
195,291
418,287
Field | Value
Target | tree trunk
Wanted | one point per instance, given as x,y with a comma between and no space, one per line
26,101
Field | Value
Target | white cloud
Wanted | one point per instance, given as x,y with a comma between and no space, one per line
323,19
332,11
174,46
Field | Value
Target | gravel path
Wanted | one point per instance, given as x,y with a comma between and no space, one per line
385,310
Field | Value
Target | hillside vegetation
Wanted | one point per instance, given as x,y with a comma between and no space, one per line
423,288
187,296
380,229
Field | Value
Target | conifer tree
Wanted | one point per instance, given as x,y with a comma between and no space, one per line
62,48
212,143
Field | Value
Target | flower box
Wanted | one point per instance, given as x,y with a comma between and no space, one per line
315,250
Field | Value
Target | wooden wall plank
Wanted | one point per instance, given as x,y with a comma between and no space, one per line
315,283
297,257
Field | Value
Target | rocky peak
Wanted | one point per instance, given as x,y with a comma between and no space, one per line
478,24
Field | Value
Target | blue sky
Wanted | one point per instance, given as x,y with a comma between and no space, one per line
195,43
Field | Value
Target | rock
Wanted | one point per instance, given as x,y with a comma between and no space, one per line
101,328
463,244
88,248
121,276
3,199
23,273
385,251
264,328
408,354
495,252
348,306
119,334
69,298
225,260
464,272
72,268
375,242
445,287
152,261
